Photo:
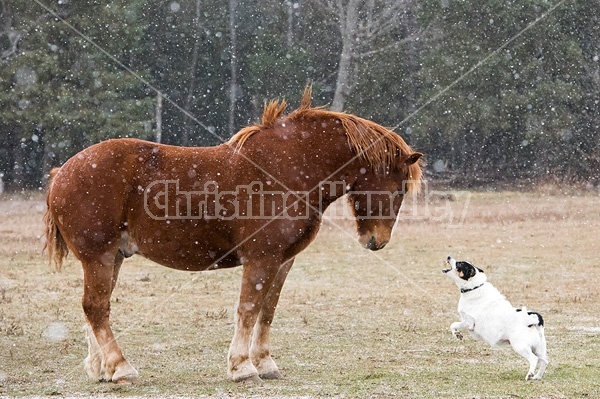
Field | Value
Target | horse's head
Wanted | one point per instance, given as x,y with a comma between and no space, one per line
376,197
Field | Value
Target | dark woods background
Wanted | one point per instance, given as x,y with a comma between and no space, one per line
529,113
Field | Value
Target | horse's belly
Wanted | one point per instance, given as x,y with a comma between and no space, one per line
197,261
191,263
192,255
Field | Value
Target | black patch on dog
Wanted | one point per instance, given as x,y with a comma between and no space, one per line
466,270
539,316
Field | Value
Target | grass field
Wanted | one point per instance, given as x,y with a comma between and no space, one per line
351,323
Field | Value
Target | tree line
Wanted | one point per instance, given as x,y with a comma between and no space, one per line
489,91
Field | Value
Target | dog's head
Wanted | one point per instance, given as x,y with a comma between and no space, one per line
466,276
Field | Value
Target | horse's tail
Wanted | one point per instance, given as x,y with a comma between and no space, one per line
55,244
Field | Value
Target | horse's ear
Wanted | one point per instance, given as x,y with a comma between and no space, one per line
412,158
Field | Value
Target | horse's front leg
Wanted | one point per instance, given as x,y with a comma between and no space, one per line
255,278
259,350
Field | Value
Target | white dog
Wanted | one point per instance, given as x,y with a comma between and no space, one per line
489,317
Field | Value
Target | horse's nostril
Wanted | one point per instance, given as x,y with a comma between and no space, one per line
372,244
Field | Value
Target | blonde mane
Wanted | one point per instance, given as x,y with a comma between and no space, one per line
272,112
373,143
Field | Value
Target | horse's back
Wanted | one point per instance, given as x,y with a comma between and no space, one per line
115,165
98,201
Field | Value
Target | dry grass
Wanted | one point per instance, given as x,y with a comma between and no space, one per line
351,323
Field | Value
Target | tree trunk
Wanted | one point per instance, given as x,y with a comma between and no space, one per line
48,155
342,85
290,23
159,106
413,62
188,126
348,29
19,166
233,84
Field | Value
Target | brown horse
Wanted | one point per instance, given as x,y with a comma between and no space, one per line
255,201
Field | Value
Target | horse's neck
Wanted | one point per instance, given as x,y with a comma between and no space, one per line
303,158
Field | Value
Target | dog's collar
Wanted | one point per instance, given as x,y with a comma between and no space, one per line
463,290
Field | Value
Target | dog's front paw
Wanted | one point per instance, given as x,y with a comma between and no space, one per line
457,334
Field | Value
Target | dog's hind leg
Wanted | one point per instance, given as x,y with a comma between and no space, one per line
528,354
540,352
543,363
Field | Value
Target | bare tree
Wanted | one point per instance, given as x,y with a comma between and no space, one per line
290,23
366,27
159,107
233,64
188,124
10,35
7,30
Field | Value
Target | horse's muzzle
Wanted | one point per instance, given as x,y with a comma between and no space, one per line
373,245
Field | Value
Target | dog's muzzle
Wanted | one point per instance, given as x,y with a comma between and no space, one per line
449,264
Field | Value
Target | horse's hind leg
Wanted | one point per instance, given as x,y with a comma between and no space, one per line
259,349
93,362
99,282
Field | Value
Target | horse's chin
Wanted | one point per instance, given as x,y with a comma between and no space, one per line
370,242
377,248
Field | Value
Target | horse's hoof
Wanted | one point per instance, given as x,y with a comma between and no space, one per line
252,379
126,380
271,375
267,369
244,371
125,374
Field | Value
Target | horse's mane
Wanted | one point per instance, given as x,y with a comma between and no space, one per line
271,114
373,143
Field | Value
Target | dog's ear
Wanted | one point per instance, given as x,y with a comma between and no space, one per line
480,271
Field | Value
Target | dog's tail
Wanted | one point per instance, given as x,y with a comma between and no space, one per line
533,319
536,320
